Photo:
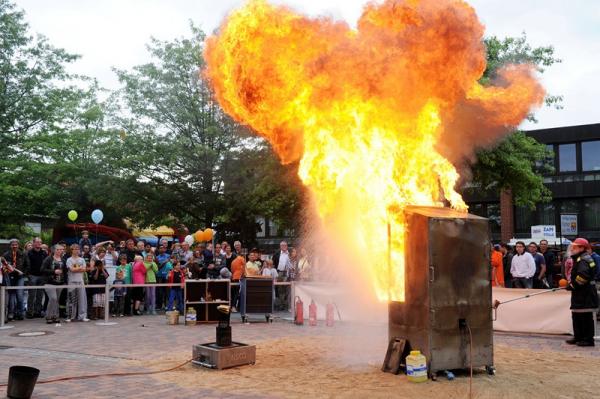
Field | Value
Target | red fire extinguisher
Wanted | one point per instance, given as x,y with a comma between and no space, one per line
299,317
312,313
329,315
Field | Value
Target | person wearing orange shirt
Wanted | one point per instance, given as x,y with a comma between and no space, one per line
238,265
497,267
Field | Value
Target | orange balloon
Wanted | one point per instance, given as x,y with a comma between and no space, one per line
208,234
562,283
199,236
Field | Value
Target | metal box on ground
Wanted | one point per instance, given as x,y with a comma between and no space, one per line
448,289
218,357
256,296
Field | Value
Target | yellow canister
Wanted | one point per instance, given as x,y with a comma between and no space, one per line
416,367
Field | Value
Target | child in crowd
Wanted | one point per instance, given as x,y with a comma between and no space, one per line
126,269
269,271
151,270
176,276
98,276
225,274
119,294
138,277
85,239
253,265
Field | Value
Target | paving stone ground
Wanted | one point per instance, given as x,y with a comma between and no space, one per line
86,348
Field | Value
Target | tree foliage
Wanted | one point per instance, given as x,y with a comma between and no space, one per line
517,161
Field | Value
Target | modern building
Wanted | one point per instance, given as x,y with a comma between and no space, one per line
575,186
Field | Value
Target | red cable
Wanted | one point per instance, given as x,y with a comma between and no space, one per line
85,377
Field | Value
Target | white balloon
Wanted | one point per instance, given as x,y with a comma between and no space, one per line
189,239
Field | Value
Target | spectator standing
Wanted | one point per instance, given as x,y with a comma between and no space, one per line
176,276
550,260
139,277
253,266
237,248
77,301
596,259
196,266
208,254
522,267
162,258
151,270
85,239
238,266
539,280
303,265
98,276
224,245
55,269
140,249
281,260
497,267
119,295
126,268
219,261
507,256
130,251
112,256
229,257
35,258
16,269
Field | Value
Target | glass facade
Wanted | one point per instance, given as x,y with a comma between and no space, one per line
591,213
567,157
547,214
590,156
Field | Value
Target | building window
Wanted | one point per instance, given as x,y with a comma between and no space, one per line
524,219
547,214
273,228
477,209
569,206
493,214
260,221
590,155
567,157
591,213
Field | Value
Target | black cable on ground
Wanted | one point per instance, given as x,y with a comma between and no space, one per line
123,374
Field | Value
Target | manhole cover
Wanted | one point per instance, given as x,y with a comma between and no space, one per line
31,333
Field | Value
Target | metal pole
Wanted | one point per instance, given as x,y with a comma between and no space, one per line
596,336
106,307
2,308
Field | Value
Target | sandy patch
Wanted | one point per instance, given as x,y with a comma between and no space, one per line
331,367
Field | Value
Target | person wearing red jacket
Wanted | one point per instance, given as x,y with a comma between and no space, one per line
176,276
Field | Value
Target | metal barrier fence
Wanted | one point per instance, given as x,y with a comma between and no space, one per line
107,287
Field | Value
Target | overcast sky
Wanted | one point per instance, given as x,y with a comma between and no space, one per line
109,33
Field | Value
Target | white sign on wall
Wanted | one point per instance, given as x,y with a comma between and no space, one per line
543,231
568,224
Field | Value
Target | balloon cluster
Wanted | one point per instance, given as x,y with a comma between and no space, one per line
199,236
97,215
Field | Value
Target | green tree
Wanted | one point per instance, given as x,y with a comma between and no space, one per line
517,162
38,98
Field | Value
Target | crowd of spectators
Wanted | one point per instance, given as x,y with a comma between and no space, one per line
83,264
532,265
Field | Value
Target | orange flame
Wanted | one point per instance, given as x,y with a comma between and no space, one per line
376,116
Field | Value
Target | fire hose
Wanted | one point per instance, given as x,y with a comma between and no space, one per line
497,303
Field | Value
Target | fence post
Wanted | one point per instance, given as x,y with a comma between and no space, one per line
106,307
292,300
3,308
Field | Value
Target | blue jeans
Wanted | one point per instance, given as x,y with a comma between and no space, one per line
16,298
176,294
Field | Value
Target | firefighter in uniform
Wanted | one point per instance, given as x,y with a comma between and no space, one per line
584,297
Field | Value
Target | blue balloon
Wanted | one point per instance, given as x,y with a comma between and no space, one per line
97,216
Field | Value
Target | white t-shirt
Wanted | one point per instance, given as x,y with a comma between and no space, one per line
270,273
522,265
75,277
284,260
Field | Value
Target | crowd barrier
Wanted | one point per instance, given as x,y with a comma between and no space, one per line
107,287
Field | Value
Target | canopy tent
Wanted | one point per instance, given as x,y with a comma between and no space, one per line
160,231
556,241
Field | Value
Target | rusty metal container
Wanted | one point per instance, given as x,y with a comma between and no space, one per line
448,288
218,357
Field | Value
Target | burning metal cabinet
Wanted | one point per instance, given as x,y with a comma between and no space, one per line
448,289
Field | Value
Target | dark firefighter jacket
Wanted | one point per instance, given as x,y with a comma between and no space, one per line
584,297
